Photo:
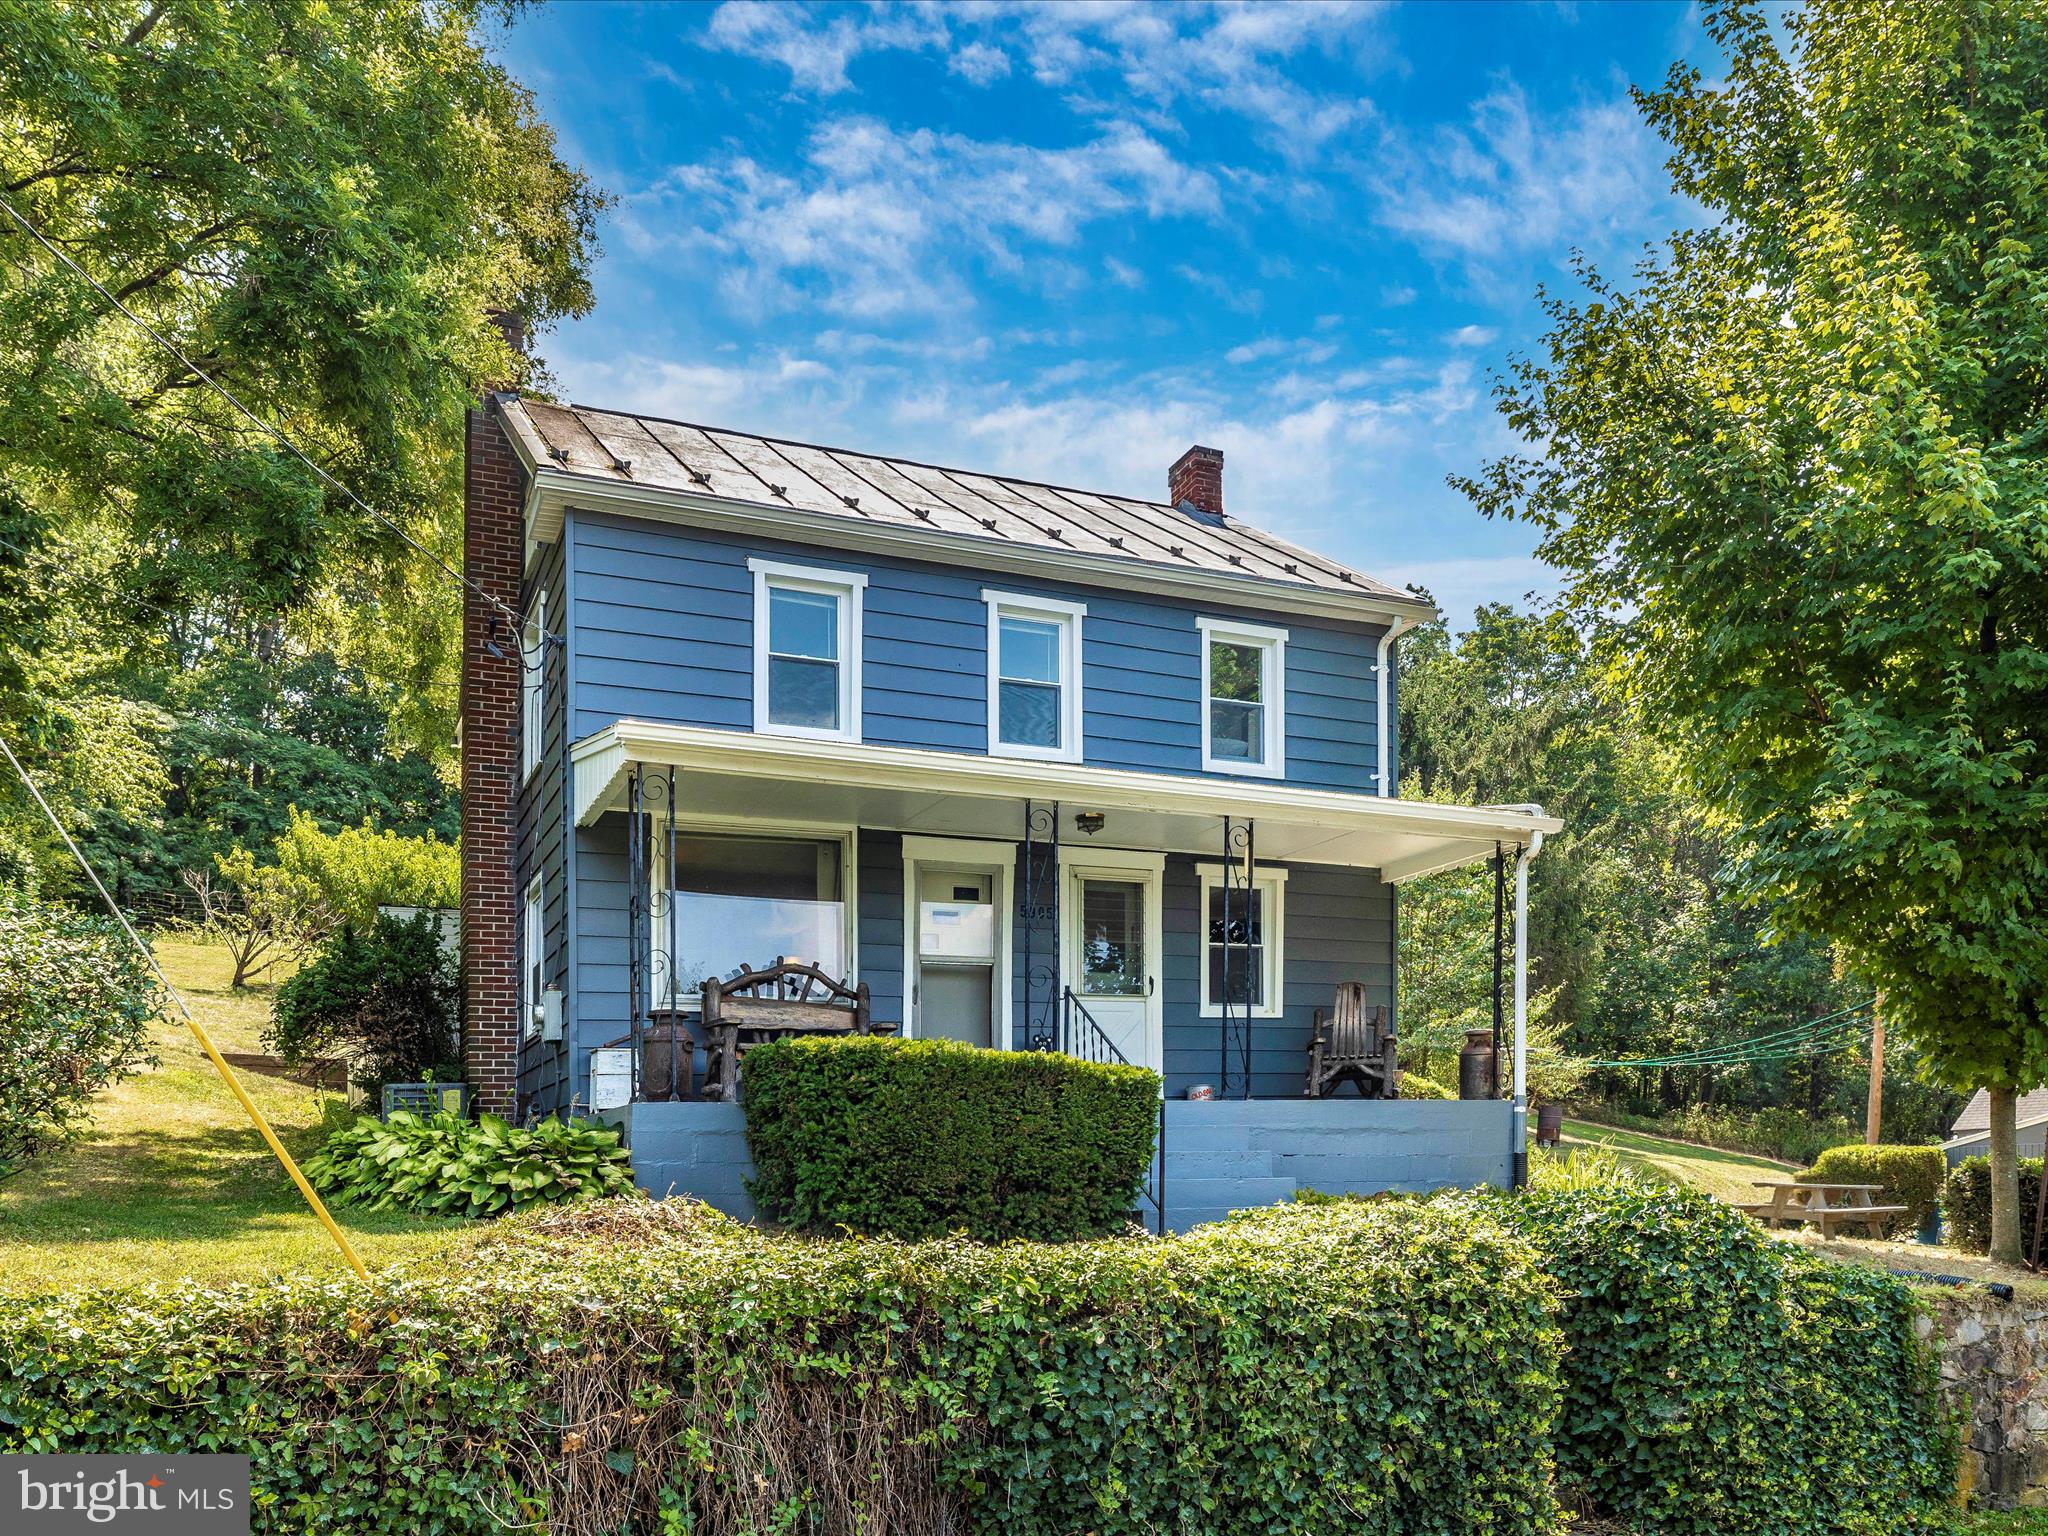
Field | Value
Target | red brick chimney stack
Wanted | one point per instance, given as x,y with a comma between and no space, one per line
493,555
1196,480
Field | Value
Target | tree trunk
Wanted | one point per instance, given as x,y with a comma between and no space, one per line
2005,1177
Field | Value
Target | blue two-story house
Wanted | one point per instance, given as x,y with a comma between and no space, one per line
1021,759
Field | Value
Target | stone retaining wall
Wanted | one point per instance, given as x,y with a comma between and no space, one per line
1994,1372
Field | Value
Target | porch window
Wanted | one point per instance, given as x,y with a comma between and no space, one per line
1244,728
1034,676
738,902
807,628
532,686
1243,951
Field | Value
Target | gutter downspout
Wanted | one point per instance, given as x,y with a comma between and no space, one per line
1519,1136
1393,632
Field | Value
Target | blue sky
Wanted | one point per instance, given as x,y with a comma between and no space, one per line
1068,240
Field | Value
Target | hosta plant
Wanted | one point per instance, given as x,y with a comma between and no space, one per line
443,1165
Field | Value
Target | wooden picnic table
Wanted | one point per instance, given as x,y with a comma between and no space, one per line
1825,1206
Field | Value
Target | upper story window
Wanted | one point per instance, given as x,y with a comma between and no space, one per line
807,627
532,686
1244,710
1034,676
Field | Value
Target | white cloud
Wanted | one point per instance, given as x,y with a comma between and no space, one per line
878,223
1505,182
1471,336
1396,295
978,62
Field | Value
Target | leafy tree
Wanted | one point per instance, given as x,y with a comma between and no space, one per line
1794,475
359,869
321,202
264,914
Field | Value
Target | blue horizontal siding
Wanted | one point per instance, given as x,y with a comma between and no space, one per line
664,619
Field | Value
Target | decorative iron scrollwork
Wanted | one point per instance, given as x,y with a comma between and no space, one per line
1038,914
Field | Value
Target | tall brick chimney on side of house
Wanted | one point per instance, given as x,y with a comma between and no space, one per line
493,556
1196,480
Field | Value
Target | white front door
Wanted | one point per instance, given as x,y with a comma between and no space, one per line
956,923
1110,951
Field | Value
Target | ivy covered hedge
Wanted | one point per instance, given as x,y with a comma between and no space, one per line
1911,1176
1716,1379
920,1138
649,1366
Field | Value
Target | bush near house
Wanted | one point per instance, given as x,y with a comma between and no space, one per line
444,1165
1967,1202
651,1366
1715,1379
1911,1176
918,1138
387,996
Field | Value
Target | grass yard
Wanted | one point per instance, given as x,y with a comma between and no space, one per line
1725,1175
173,1182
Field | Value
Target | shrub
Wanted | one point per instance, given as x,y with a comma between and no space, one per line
76,1002
443,1165
1911,1176
1967,1200
359,869
1415,1086
640,1366
386,996
1716,1379
917,1138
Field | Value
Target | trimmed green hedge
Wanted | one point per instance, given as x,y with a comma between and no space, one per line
1717,1380
646,1366
1911,1176
919,1138
1967,1202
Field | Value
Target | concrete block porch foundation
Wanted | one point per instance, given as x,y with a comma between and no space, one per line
1221,1156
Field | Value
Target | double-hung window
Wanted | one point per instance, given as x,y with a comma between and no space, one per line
1243,939
807,625
532,686
1034,676
532,945
1244,712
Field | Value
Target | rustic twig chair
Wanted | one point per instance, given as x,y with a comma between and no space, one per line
790,997
1355,1043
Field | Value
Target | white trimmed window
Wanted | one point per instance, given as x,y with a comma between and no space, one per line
807,625
1243,941
532,951
1034,676
532,686
1244,687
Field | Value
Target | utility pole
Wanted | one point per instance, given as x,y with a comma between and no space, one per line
1873,1121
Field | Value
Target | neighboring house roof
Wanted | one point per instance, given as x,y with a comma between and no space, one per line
1975,1120
625,453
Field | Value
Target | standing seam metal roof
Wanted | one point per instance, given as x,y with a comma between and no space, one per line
627,449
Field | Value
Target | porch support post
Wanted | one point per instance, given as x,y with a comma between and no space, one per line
638,947
1499,899
1521,1084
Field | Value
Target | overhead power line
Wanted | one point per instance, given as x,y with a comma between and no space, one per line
1811,1038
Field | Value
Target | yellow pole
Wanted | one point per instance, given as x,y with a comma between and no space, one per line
198,1031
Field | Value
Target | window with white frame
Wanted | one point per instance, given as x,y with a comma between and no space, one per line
807,626
1244,712
1243,941
532,949
741,899
1034,676
532,685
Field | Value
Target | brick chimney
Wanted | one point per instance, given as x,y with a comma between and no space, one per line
493,555
1196,480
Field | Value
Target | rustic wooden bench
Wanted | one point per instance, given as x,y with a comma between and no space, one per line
1826,1206
1353,1043
790,997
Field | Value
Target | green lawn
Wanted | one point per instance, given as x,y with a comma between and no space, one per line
173,1181
1727,1175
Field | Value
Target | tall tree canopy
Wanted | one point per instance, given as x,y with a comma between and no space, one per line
1794,474
320,202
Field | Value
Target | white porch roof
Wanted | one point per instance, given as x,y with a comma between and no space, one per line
723,773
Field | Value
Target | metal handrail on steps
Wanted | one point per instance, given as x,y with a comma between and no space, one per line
1081,1036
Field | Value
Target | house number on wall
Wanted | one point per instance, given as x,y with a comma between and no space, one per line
1042,913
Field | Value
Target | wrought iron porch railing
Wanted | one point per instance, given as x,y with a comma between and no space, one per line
1081,1036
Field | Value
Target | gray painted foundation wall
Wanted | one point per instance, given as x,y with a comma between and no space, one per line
1220,1156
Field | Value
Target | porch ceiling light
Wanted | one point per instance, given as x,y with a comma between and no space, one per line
1090,822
